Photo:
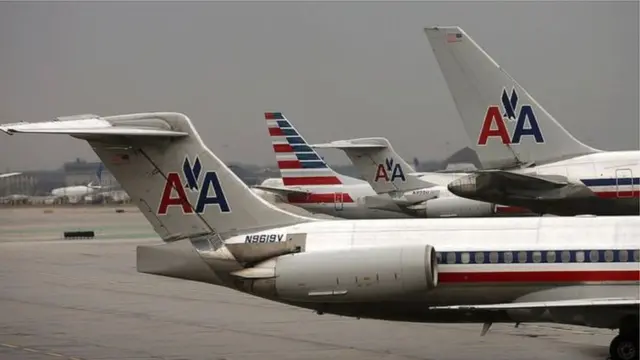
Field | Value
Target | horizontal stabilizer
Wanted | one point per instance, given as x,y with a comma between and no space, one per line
282,190
88,126
379,164
349,144
546,304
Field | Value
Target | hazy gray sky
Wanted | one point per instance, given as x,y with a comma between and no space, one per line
336,69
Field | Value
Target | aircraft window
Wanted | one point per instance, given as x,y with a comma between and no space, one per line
594,256
579,256
508,257
636,255
451,258
537,256
551,256
623,256
493,257
565,256
479,257
465,258
608,256
522,256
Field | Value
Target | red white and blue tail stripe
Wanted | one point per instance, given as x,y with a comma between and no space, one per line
299,164
301,167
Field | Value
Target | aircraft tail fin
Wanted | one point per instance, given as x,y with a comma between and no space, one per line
379,164
99,173
180,186
300,165
505,124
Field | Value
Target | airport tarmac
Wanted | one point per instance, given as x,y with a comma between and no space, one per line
83,299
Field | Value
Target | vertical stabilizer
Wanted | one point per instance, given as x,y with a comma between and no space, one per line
379,164
302,168
506,126
181,187
300,165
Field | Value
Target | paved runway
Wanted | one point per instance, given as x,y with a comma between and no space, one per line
83,299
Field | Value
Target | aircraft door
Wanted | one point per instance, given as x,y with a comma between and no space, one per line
625,186
338,199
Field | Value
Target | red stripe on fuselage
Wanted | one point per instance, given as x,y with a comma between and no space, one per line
275,132
618,194
538,276
311,180
319,198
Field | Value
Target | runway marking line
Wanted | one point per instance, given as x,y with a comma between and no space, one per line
50,353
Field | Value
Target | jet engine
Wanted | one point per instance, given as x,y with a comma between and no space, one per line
455,207
345,275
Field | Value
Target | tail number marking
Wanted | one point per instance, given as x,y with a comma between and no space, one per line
263,238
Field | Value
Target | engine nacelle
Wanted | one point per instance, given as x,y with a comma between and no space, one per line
456,207
348,275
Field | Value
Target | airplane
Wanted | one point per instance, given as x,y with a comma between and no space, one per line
80,191
310,183
301,167
8,175
581,270
529,159
12,198
388,173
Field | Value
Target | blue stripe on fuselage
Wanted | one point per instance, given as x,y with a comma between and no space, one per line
538,256
611,182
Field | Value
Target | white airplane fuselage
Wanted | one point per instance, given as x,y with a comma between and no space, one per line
478,263
354,202
612,176
73,191
348,204
607,173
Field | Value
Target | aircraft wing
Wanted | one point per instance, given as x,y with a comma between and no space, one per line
545,194
521,181
594,302
507,185
281,190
